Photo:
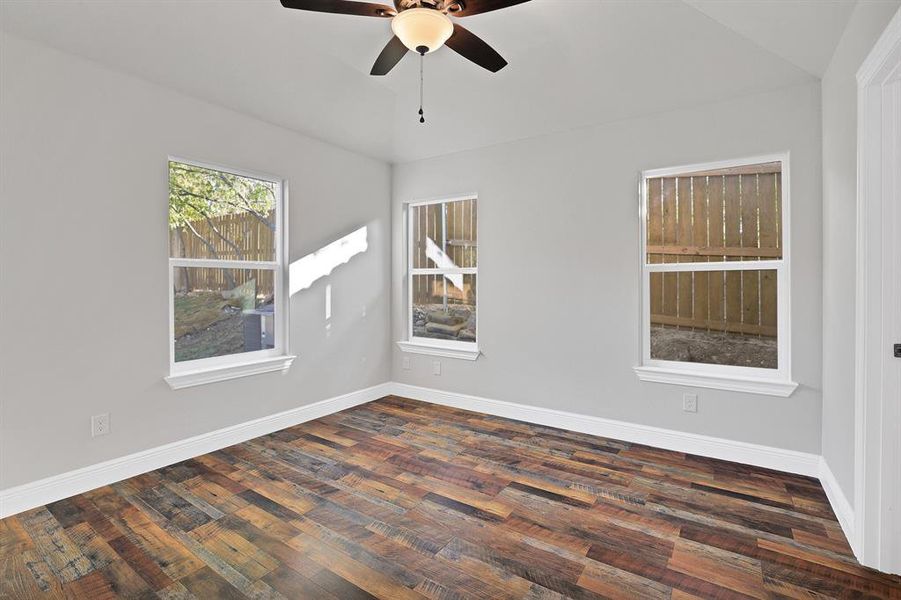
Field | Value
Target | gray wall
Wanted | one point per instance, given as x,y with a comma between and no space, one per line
839,231
83,272
83,231
559,283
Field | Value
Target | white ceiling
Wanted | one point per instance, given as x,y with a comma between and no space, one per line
778,26
572,62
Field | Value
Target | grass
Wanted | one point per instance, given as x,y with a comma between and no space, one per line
197,311
203,328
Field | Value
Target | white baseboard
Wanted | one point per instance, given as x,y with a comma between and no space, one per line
842,508
789,461
37,493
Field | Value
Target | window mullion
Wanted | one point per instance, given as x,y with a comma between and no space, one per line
208,263
713,266
458,271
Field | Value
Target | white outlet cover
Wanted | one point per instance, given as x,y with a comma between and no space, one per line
407,363
690,402
100,425
436,367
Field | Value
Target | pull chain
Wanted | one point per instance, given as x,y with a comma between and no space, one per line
421,85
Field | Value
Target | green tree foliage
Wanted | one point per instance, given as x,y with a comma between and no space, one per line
198,194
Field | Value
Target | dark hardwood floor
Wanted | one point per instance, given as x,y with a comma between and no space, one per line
401,499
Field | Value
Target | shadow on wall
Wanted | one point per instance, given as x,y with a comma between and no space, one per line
303,272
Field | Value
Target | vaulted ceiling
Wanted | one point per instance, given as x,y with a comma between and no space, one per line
572,62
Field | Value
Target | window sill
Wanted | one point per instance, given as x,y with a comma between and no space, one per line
186,379
767,387
444,351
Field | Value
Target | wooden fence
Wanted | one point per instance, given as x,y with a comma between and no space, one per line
452,227
721,216
240,236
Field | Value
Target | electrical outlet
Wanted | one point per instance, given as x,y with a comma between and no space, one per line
100,425
436,367
690,402
407,363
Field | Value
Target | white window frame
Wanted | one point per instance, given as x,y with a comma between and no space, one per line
220,368
773,382
432,347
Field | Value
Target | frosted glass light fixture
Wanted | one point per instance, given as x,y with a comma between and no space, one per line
422,30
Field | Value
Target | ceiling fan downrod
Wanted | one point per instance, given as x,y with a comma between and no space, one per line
422,51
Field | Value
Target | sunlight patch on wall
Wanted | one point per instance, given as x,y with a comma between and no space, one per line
305,271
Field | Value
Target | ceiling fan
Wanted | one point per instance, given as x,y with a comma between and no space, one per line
422,26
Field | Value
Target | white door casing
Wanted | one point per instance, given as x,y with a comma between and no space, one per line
877,461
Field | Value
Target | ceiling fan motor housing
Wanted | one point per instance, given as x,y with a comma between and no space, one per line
445,6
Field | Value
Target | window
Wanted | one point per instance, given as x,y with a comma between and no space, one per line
226,277
715,284
441,278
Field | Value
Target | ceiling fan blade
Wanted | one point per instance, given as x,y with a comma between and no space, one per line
390,56
470,46
343,7
475,7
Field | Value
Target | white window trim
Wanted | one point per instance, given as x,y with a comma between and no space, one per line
427,346
772,382
221,368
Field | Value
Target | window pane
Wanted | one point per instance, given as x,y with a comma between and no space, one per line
444,307
222,311
724,215
213,214
444,235
715,317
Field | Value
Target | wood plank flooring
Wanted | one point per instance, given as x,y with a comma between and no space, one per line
401,499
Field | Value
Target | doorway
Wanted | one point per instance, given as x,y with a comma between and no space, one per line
877,485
